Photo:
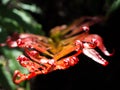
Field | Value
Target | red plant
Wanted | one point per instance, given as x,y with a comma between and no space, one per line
60,50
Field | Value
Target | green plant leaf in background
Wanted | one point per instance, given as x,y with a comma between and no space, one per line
15,16
6,78
113,5
8,65
18,20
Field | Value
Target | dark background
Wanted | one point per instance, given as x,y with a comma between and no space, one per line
87,74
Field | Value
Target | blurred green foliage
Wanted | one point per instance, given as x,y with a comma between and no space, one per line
17,16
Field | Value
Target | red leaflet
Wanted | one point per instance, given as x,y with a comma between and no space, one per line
60,50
